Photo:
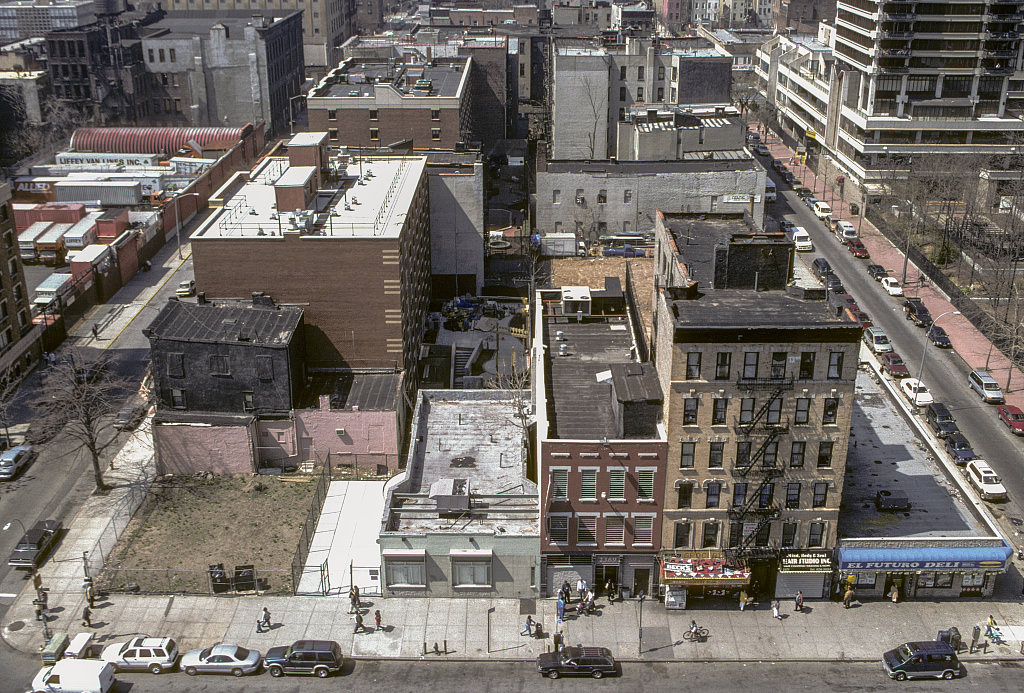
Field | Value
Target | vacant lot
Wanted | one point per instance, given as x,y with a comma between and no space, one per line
188,523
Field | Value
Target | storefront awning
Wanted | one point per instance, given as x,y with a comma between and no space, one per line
926,558
711,572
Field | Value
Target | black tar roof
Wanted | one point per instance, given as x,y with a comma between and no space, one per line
233,323
367,391
636,382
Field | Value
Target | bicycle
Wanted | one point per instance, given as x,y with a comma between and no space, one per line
696,636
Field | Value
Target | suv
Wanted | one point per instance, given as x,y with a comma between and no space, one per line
577,661
959,448
911,660
155,654
940,420
986,386
821,268
916,311
877,340
319,657
985,481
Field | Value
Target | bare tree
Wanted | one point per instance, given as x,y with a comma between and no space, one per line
596,103
79,399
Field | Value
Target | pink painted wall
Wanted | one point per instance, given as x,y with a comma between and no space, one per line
276,441
187,449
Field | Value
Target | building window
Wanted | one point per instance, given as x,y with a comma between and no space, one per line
150,51
332,114
693,365
586,530
471,573
743,453
173,55
723,365
684,495
806,365
332,133
771,454
789,535
764,500
435,134
774,411
820,494
793,495
710,538
177,105
645,484
796,454
803,410
622,72
643,531
435,114
405,573
719,407
681,535
735,534
614,530
560,484
764,533
588,484
825,453
640,72
639,93
715,455
622,94
690,411
177,398
556,196
778,369
672,93
739,494
815,534
627,196
374,134
831,411
686,455
714,490
219,365
617,484
750,365
248,401
746,410
661,93
602,197
661,72
161,53
835,365
558,529
675,73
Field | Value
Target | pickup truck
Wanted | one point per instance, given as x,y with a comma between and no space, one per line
915,310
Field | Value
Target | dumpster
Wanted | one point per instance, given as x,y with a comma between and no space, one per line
54,649
219,580
951,637
245,578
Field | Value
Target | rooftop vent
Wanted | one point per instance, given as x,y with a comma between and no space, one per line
450,495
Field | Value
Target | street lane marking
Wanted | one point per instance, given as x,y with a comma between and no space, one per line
7,595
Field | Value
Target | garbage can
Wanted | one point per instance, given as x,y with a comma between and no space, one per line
244,578
219,580
854,209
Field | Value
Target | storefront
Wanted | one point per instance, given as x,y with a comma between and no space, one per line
630,573
923,572
809,572
701,574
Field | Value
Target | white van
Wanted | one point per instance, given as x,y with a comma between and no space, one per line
75,676
802,239
844,230
822,210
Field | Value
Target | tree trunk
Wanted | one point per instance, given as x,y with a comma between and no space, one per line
97,470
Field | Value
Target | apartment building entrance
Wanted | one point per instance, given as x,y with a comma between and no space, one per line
604,573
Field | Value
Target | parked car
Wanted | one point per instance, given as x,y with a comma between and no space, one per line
891,286
822,211
34,546
914,309
785,225
857,249
985,481
221,658
892,363
761,150
1013,417
916,392
186,288
844,230
937,336
939,419
155,655
790,178
779,166
959,449
14,460
810,201
129,417
834,284
802,190
305,657
753,136
577,661
914,660
986,386
802,240
862,318
876,272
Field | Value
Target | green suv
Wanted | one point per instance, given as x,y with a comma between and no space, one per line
305,657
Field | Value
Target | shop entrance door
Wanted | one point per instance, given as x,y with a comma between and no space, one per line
894,580
604,573
641,581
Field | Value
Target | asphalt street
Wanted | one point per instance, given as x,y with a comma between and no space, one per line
945,374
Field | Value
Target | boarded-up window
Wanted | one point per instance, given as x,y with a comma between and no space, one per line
176,365
219,365
264,368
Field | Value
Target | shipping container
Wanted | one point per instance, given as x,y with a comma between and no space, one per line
58,284
50,246
82,233
60,213
111,193
67,169
149,179
27,240
24,214
34,187
107,158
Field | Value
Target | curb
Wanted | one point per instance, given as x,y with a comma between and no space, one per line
676,660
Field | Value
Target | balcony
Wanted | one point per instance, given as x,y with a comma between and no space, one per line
1000,53
897,52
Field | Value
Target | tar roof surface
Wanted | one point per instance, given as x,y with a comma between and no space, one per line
367,391
194,322
444,77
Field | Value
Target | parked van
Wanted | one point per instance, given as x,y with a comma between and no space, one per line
75,676
822,210
877,340
802,239
770,193
820,267
914,660
844,230
986,386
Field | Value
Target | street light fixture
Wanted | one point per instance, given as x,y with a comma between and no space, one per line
640,637
924,352
20,524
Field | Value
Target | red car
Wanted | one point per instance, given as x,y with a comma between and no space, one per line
862,317
857,248
1012,417
894,366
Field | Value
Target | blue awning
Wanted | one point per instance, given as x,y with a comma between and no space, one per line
926,558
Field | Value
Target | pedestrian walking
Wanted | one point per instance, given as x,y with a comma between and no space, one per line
799,601
359,624
580,587
743,600
355,590
265,620
566,591
560,608
90,594
895,594
775,610
377,619
847,597
989,625
528,629
87,617
95,331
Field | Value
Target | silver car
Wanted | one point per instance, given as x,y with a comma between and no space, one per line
14,460
221,659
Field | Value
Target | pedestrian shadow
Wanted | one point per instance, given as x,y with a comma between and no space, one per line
55,610
385,629
507,649
806,610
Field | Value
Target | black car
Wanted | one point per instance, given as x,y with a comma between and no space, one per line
305,657
577,661
834,284
959,448
785,225
790,178
33,547
915,310
876,272
938,418
938,337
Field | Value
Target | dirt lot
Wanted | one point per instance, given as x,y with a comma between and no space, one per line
188,523
592,271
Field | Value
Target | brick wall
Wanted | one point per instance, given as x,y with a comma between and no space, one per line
187,449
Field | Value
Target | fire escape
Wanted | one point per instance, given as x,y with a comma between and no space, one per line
759,508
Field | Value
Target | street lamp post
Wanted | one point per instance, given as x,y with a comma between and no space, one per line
20,524
924,352
640,636
177,219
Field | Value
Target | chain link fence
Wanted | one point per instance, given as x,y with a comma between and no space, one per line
309,526
96,557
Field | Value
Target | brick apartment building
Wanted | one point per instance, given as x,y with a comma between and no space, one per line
19,338
602,449
760,383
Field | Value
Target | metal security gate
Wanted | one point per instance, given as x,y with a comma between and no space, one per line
813,585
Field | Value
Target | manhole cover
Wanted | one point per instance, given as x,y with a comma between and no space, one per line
15,626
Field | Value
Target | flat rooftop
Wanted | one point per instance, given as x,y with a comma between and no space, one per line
470,435
353,391
361,78
174,26
371,206
886,454
694,162
208,322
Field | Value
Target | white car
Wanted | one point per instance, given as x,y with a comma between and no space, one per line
984,480
153,654
892,286
916,392
186,288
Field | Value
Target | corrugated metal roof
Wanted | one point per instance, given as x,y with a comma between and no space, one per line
149,140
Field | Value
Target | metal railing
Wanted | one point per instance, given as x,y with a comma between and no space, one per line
309,526
96,557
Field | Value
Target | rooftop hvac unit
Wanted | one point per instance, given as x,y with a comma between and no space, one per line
450,495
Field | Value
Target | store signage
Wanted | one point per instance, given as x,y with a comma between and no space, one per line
30,186
810,561
917,565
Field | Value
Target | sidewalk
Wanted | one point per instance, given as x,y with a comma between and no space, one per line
969,343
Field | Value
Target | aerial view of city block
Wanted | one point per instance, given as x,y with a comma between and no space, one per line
464,344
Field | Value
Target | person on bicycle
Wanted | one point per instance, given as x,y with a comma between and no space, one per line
693,628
